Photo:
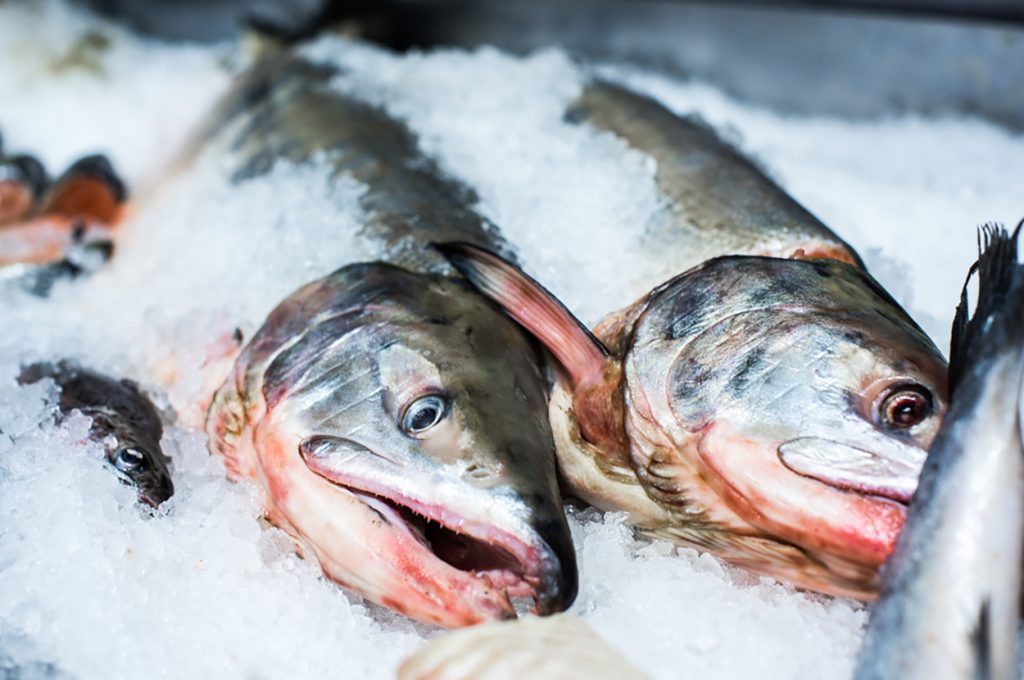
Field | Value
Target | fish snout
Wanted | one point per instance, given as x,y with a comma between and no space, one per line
558,576
155,488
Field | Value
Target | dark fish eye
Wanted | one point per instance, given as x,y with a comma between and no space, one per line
424,413
129,459
905,406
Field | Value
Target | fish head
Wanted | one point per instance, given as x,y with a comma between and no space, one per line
128,427
403,437
143,466
124,422
798,392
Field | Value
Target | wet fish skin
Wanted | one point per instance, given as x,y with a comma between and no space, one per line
949,602
315,407
124,421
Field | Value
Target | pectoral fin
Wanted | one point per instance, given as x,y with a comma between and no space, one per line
595,376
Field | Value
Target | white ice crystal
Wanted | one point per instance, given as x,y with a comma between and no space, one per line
99,588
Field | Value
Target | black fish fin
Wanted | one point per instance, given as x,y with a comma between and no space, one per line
1000,304
581,354
981,642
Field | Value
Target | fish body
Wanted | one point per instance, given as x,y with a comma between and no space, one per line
395,418
771,403
124,422
716,200
949,602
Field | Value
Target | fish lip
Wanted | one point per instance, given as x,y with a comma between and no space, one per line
876,476
537,570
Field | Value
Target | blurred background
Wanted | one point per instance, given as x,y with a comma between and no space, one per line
854,58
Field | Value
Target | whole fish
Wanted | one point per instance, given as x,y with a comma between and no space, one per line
949,601
772,404
124,422
395,418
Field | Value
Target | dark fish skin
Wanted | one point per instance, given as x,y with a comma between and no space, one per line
124,421
447,515
948,608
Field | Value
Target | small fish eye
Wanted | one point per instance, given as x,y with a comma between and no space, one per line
905,406
129,459
424,413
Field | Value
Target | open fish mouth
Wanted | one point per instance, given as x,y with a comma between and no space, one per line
482,551
851,468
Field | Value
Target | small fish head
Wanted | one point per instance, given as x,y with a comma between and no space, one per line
801,393
129,429
419,415
124,422
143,467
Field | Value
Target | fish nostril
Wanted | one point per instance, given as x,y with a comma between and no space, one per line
478,474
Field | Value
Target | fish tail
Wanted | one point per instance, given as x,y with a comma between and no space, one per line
998,318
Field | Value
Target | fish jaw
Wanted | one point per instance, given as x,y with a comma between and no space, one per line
845,466
362,541
671,500
749,477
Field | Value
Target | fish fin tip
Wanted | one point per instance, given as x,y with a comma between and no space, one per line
594,374
536,309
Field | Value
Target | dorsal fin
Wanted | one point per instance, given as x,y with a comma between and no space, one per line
595,375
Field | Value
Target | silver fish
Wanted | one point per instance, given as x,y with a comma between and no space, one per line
772,404
949,602
395,418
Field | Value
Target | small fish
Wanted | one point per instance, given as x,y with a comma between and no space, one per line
395,418
772,404
124,422
949,602
560,647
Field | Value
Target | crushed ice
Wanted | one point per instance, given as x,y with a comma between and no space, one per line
93,585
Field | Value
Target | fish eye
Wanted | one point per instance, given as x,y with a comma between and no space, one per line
905,406
129,459
424,413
